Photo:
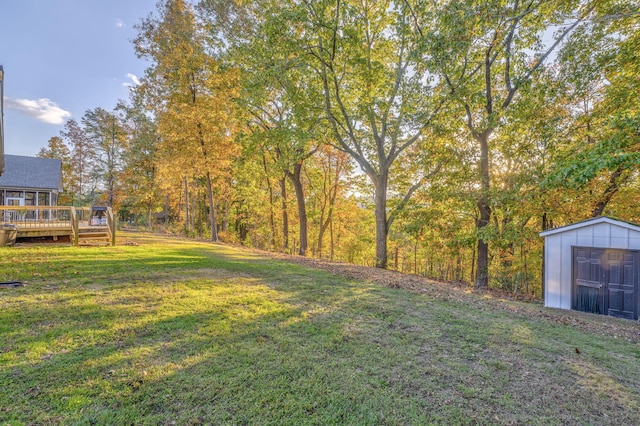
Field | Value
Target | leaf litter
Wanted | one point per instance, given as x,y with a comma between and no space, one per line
483,299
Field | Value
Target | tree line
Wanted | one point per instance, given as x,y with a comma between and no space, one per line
436,138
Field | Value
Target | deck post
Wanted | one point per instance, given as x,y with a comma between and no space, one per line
111,224
75,227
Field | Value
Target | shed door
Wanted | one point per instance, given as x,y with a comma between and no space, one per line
606,281
588,288
621,283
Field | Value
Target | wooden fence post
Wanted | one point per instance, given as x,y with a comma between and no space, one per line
75,226
111,224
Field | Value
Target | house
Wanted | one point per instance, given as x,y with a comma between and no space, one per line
29,191
30,181
593,266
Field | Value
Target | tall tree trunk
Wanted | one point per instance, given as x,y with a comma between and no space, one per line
332,240
382,229
212,210
333,194
609,192
285,215
149,209
395,259
325,223
166,209
323,228
507,255
272,216
186,203
296,180
482,271
225,217
546,224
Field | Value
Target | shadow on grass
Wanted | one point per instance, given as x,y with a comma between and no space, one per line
197,333
69,348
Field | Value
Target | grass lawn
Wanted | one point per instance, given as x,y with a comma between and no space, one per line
168,331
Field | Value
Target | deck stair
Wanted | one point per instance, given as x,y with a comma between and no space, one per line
94,235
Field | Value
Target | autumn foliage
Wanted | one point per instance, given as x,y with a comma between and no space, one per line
435,139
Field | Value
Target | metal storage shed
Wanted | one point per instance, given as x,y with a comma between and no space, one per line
593,266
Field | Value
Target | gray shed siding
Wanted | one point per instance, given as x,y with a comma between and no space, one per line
600,232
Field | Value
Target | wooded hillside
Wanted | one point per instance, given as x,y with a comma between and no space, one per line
435,138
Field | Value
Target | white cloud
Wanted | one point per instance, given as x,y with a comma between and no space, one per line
44,109
119,23
134,79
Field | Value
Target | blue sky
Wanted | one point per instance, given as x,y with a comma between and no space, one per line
61,58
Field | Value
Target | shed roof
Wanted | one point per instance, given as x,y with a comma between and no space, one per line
31,173
590,222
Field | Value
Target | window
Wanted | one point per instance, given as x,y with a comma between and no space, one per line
29,198
43,198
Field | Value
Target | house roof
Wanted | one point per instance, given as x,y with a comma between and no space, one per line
31,173
590,222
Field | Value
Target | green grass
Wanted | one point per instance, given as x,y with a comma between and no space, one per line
180,332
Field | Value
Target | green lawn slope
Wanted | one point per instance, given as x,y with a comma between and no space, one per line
168,331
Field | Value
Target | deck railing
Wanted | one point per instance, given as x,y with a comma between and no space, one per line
43,218
36,217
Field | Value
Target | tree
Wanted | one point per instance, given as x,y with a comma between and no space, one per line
56,148
599,67
364,79
190,94
139,172
327,181
282,133
82,154
109,139
274,97
486,53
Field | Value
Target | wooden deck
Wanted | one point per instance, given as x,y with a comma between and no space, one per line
74,222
